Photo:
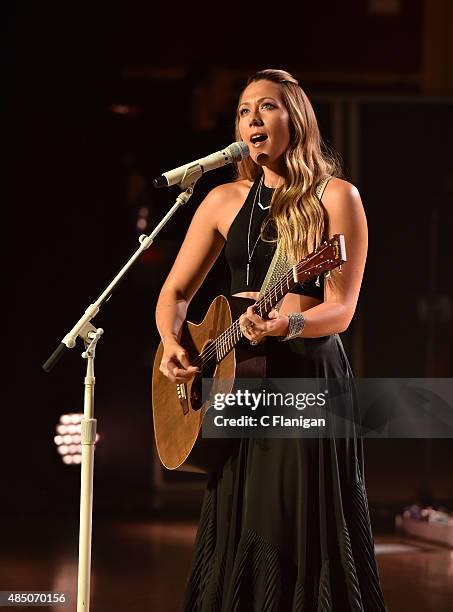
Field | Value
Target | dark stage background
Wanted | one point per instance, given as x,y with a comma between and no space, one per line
100,99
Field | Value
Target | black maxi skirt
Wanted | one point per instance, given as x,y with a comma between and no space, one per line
285,524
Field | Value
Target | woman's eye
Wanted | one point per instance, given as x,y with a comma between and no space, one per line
265,105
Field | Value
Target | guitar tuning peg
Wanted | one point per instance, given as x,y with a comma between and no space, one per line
317,283
327,274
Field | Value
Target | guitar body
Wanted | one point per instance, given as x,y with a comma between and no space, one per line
178,409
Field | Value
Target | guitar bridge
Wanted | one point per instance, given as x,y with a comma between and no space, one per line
182,397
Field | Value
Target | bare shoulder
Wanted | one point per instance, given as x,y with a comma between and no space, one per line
340,193
344,207
224,202
229,191
343,203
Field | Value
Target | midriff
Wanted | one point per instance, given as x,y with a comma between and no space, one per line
291,302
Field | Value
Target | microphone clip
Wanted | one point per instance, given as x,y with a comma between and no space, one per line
190,177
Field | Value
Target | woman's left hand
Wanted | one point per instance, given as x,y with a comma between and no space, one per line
254,328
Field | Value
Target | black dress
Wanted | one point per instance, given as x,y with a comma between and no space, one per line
285,524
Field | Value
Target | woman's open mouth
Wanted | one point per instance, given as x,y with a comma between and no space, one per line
257,139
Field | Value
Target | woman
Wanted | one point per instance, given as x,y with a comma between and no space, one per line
284,523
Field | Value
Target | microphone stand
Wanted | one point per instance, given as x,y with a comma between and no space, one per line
90,336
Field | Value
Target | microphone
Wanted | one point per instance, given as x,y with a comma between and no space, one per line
237,151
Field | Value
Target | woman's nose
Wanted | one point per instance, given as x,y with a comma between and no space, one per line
255,119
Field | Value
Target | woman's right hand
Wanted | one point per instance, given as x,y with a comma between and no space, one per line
175,364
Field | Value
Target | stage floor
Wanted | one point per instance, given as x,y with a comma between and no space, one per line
141,565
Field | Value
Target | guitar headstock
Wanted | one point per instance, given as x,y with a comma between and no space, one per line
329,255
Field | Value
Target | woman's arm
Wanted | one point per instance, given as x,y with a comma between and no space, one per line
200,249
341,292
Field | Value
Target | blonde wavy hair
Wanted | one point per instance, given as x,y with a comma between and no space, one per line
299,218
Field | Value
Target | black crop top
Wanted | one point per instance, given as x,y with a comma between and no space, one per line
237,253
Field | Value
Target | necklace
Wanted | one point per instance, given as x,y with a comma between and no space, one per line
250,253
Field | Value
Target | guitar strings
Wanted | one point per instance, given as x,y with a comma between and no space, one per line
233,330
222,341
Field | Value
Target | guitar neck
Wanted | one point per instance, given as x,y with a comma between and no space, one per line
231,336
274,294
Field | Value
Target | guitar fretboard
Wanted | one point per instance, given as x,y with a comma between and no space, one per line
231,336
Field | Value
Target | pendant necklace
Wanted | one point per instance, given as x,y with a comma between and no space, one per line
250,253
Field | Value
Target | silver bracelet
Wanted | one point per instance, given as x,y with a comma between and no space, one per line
295,327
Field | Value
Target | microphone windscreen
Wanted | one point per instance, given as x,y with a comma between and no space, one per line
239,150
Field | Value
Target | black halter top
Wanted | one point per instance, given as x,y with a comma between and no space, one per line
252,214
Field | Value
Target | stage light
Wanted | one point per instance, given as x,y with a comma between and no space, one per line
142,224
68,438
125,109
142,218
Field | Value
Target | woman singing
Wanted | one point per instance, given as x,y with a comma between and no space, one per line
284,524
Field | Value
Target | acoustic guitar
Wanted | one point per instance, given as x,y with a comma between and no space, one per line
214,346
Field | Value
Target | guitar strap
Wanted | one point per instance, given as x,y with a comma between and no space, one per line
279,264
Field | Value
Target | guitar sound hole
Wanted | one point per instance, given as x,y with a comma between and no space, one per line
207,371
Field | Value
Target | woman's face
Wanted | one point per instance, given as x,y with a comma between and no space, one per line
264,122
